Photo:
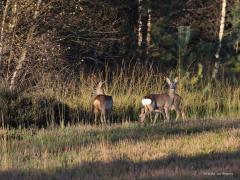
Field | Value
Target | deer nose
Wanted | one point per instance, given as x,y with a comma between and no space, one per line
172,86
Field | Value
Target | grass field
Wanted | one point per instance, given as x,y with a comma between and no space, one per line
185,149
54,100
206,145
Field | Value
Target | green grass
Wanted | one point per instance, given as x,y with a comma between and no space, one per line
206,145
182,149
53,100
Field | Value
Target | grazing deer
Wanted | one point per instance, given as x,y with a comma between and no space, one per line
159,102
101,104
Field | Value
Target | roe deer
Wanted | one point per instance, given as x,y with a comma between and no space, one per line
101,104
159,102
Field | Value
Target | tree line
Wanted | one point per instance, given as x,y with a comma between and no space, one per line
39,37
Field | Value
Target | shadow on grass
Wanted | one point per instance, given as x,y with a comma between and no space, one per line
38,112
73,137
124,114
137,132
20,111
206,166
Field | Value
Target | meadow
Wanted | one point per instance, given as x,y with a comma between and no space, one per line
47,130
193,149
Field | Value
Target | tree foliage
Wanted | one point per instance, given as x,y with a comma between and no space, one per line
72,34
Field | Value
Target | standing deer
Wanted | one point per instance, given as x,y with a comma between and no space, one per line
162,103
101,104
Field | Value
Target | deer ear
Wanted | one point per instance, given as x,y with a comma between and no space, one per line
175,80
100,84
168,80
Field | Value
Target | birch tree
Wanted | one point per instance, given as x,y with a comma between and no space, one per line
12,31
144,24
149,24
139,23
24,51
220,36
3,28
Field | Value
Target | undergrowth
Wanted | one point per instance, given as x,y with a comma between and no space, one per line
53,101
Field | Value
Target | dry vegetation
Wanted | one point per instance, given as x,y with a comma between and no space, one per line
201,146
48,52
194,148
53,99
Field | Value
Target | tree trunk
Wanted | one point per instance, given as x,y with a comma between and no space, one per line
24,51
131,40
139,23
149,24
12,26
3,28
221,31
144,36
146,30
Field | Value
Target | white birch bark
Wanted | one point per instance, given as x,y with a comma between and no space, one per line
3,28
23,55
220,36
149,24
12,24
139,23
222,22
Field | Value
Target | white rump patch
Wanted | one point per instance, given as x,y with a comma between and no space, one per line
146,101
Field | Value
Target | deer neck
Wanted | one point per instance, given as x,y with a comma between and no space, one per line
171,93
99,92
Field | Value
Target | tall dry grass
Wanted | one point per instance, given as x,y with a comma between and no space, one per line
54,99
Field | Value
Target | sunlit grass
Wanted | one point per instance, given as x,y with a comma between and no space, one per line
56,100
37,148
82,147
